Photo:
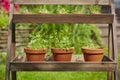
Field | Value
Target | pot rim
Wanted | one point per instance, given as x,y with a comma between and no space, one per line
35,49
87,50
62,50
28,50
92,48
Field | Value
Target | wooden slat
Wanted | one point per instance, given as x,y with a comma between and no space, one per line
3,32
103,2
63,18
3,37
3,41
63,66
3,46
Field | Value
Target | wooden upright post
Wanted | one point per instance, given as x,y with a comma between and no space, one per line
114,37
11,41
110,48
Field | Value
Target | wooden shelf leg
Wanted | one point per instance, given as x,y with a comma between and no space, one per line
114,40
110,49
116,74
7,74
109,76
13,75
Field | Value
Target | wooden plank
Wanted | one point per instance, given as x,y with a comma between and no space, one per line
4,32
63,18
4,29
3,41
17,29
75,2
3,46
63,66
18,38
23,29
77,64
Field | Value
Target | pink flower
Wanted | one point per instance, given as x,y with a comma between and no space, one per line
17,7
5,5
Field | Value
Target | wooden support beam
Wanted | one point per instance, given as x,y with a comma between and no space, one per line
62,66
63,18
114,39
72,2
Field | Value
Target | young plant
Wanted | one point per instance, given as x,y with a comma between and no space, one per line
94,42
86,35
95,9
92,45
61,38
64,42
36,49
37,42
61,10
79,9
43,9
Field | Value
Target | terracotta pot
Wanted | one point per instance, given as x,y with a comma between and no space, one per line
62,54
35,55
93,54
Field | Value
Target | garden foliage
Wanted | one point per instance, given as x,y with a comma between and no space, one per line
60,35
64,35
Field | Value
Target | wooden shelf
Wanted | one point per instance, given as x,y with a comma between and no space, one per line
77,64
63,18
19,63
72,2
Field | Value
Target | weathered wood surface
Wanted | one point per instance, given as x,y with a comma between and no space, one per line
63,18
77,64
73,2
65,66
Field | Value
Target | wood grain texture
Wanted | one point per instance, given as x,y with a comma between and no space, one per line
63,18
77,64
114,41
75,2
63,66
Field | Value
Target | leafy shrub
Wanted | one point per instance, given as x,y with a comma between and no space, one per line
37,42
76,35
68,35
86,35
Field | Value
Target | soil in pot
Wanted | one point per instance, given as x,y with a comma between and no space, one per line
35,54
62,54
93,54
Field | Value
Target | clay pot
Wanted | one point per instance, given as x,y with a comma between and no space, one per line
62,54
93,54
35,54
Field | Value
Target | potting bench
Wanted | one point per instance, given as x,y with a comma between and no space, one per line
18,63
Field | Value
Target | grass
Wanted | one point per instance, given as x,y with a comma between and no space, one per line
53,75
62,76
